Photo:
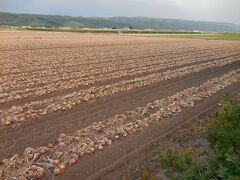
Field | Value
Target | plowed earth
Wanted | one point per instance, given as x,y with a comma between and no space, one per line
99,104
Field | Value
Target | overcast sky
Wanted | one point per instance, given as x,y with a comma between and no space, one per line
210,10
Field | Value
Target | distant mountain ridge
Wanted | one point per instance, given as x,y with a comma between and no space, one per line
37,20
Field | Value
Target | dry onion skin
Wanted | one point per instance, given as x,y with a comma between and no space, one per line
55,157
54,72
90,77
32,110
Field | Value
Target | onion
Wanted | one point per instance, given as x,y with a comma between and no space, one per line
109,142
57,172
56,161
146,125
62,135
61,144
59,139
50,145
60,154
62,167
136,126
43,151
19,161
39,174
22,177
34,167
73,161
30,156
22,119
8,123
99,129
37,155
81,153
158,118
100,147
92,149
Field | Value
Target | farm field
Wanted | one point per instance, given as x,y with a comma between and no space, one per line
79,106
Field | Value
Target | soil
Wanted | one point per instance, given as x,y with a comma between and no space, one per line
127,158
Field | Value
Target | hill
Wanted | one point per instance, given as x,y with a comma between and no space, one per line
36,20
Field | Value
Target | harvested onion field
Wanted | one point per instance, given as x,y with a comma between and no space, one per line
79,106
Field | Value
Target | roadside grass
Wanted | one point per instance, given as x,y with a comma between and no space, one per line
181,165
224,137
224,163
147,176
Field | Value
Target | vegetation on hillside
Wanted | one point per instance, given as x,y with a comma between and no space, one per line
9,19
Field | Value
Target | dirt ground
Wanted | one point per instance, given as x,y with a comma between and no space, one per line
128,157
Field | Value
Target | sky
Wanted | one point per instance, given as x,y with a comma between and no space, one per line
207,10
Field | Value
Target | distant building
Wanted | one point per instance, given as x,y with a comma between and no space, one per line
25,27
196,31
65,28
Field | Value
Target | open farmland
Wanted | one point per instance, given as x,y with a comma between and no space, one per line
78,106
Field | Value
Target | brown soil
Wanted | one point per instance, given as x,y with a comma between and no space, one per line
126,158
83,115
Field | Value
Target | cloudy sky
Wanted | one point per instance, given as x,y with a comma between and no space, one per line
210,10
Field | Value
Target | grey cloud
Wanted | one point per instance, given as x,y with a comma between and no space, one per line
210,10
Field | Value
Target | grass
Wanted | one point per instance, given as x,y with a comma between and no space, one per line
115,31
224,36
166,33
4,29
180,34
224,137
147,176
181,165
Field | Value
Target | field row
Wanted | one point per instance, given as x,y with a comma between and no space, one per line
148,66
54,158
42,41
72,56
71,65
32,41
46,77
32,110
57,59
